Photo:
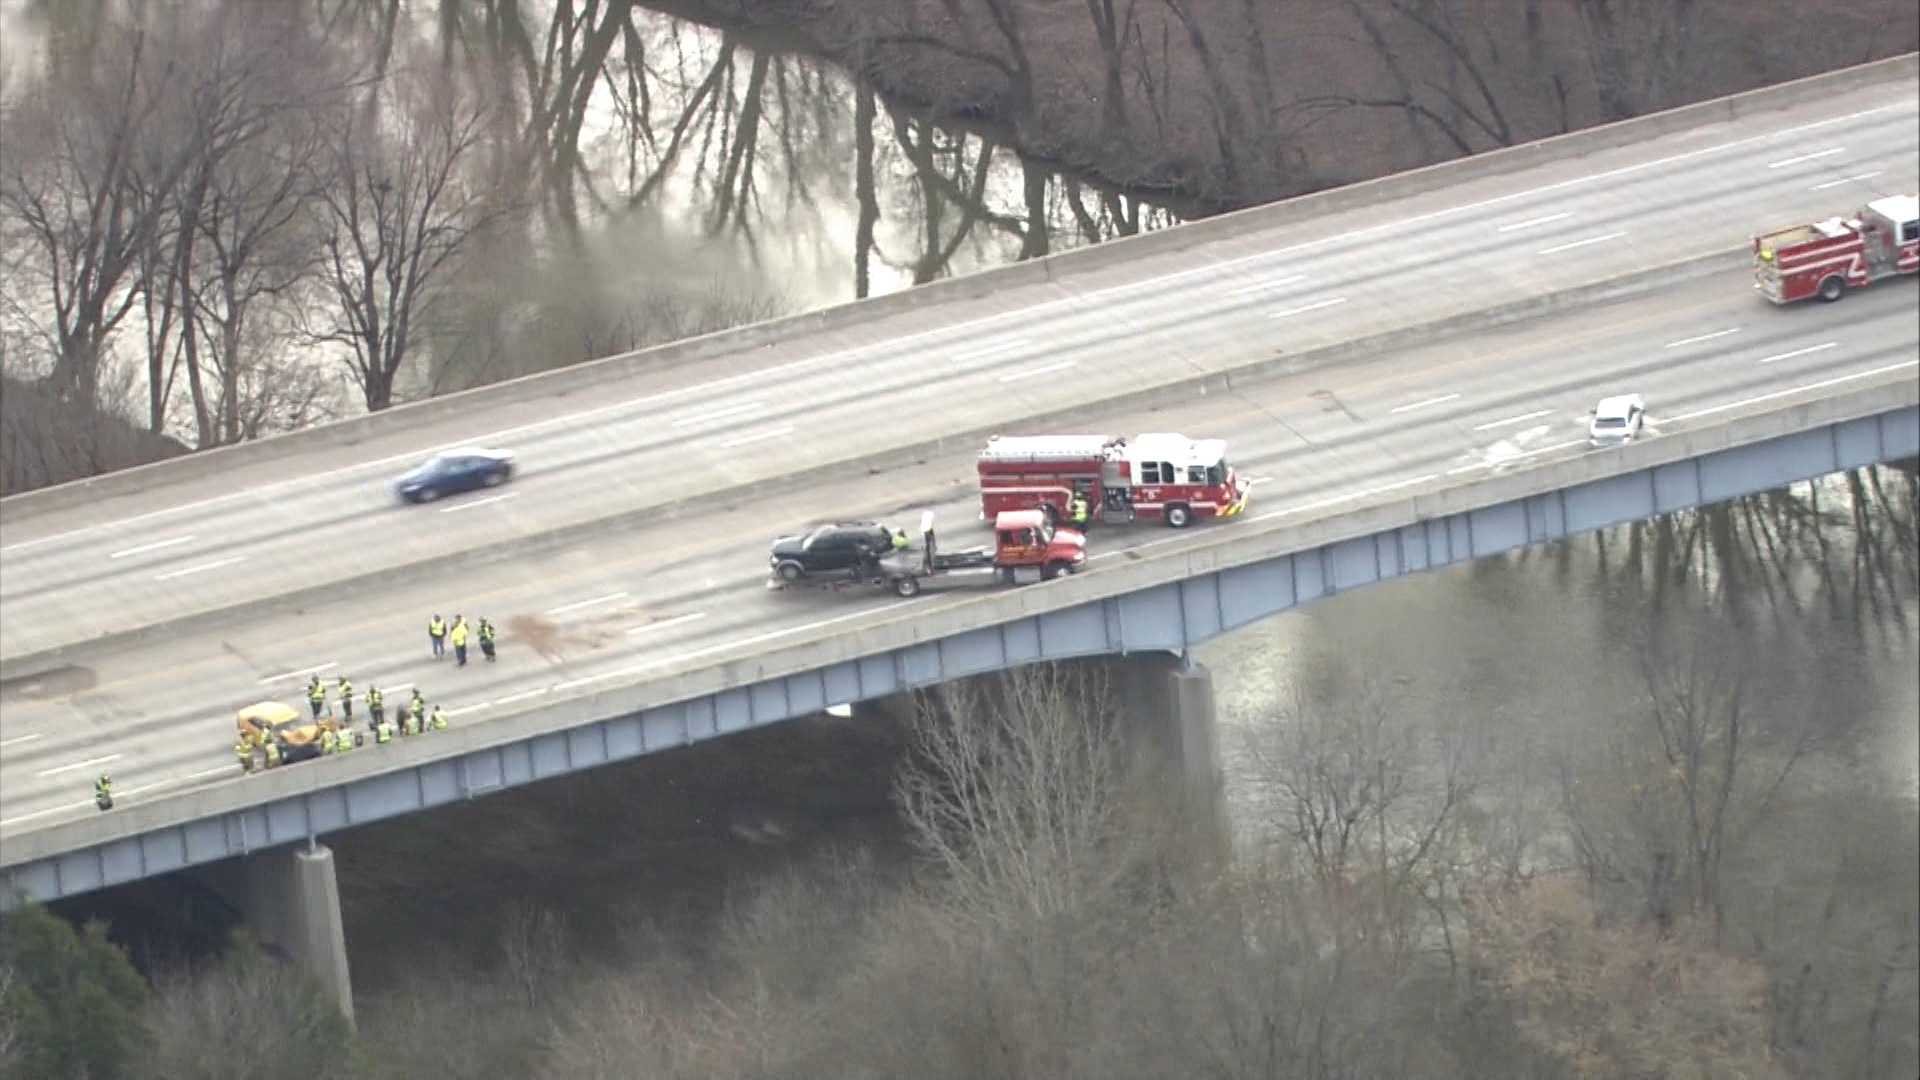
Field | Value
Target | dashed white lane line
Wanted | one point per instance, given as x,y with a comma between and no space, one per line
1557,248
1045,369
18,739
1846,180
290,675
87,764
489,500
183,572
1441,400
1532,222
1024,314
578,605
1349,497
1522,418
1683,342
719,414
155,546
758,436
521,696
1809,350
648,628
1267,286
1822,384
1000,349
1304,308
1784,162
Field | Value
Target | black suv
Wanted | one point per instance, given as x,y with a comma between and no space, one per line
830,548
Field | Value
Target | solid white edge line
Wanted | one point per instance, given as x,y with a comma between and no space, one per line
488,501
578,604
986,351
1700,338
314,670
827,360
1513,420
1799,352
1441,400
44,813
1822,384
18,739
1580,243
215,565
155,546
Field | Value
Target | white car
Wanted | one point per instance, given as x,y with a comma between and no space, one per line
1617,420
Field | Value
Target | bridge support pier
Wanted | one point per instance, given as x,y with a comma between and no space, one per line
1167,702
291,899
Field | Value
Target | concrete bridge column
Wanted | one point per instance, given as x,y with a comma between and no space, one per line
1167,700
291,900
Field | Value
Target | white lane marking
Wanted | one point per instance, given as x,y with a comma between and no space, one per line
1441,400
1302,309
1505,461
719,414
1701,338
1784,162
578,604
215,565
521,696
87,764
187,779
1846,180
1349,497
758,436
314,670
478,502
1822,384
1267,286
17,739
1531,222
1823,347
1259,479
1522,418
1029,373
834,359
44,813
1580,243
986,351
155,546
646,628
473,708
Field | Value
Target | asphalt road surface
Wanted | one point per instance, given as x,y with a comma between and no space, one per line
682,439
666,591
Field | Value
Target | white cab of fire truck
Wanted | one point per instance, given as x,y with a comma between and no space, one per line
1184,478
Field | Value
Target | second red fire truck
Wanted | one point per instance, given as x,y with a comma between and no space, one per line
1165,477
1827,258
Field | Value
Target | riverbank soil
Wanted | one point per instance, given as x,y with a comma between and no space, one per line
1232,103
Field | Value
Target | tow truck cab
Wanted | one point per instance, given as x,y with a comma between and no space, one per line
1029,538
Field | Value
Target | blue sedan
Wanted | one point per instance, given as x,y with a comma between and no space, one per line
455,471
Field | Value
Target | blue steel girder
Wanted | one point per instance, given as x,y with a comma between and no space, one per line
1166,616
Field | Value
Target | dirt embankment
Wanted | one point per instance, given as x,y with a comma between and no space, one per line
1231,103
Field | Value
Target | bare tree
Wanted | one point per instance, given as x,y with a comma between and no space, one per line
396,211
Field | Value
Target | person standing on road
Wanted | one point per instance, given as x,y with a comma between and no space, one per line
103,792
459,636
486,640
437,633
416,713
346,699
316,695
376,708
244,751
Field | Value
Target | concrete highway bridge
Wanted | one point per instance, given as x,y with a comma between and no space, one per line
1405,365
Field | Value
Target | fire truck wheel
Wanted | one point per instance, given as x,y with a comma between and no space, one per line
1178,516
789,571
1832,289
906,586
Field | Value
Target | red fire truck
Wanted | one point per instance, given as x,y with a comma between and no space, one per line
1828,257
1165,476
